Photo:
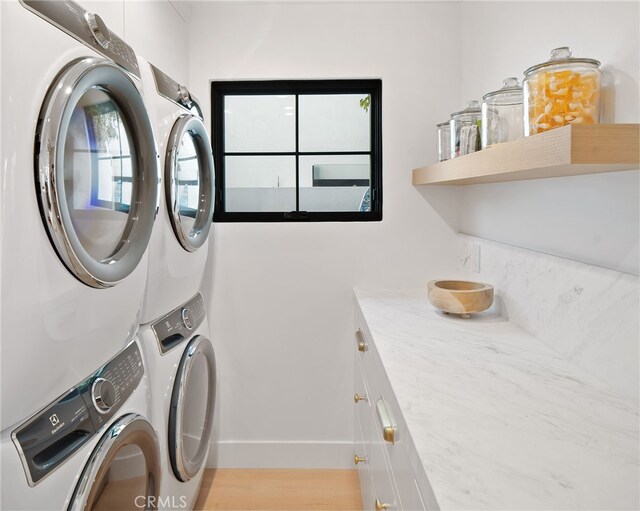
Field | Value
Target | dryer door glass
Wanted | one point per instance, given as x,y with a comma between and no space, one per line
189,181
191,413
123,471
99,163
97,171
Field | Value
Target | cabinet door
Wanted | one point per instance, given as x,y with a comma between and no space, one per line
383,484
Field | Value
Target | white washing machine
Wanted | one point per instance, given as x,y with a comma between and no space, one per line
179,245
92,448
182,374
79,196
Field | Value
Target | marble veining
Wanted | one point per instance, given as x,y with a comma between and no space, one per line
590,315
500,420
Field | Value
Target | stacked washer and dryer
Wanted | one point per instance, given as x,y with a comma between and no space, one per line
79,426
175,332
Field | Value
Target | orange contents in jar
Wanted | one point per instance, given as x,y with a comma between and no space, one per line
557,98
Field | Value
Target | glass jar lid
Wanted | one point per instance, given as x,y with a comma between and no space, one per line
562,55
510,93
472,111
442,124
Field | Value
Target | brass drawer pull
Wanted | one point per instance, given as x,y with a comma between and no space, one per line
357,398
362,344
357,459
389,428
381,505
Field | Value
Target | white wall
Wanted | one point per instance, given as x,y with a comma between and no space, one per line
589,218
158,32
281,294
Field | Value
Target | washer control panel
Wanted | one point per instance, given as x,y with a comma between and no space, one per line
109,387
179,324
52,435
88,28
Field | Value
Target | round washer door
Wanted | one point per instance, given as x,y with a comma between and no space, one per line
123,472
96,171
191,412
189,178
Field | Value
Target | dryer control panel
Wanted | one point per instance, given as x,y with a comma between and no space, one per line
179,324
52,435
88,28
173,91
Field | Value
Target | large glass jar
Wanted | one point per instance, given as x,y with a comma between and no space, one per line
502,114
444,141
465,130
563,90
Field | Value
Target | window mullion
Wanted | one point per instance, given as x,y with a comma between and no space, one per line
297,154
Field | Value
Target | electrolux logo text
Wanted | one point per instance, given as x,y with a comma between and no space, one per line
153,502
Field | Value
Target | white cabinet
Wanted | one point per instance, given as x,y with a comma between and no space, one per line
391,474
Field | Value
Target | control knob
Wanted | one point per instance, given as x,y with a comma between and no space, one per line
103,394
98,29
184,96
186,319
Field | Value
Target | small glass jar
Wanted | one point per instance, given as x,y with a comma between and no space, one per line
444,141
564,90
502,114
465,130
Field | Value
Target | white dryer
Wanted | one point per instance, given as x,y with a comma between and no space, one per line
79,198
182,374
92,448
179,242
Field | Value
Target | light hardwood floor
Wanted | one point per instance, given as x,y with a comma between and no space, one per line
279,490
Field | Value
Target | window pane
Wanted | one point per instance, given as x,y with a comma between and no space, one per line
259,124
334,122
335,183
260,183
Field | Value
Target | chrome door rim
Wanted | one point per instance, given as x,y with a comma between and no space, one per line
131,429
68,88
188,123
183,468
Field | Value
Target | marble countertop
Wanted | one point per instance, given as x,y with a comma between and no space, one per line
499,420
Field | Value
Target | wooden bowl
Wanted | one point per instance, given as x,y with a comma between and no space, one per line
460,296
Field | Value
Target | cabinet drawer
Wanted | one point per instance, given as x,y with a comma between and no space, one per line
364,475
405,467
362,403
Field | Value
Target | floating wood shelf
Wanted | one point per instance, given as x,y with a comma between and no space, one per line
568,151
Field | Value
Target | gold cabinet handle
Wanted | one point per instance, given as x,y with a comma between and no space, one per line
381,505
389,428
357,398
362,344
357,459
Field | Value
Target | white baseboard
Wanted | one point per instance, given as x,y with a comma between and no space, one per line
337,455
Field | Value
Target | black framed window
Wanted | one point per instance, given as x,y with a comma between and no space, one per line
297,150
